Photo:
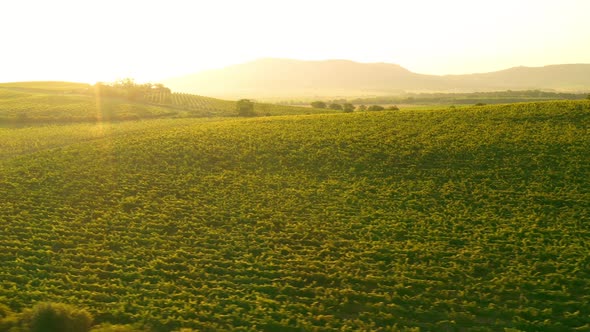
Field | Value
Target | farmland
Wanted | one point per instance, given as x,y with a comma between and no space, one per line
63,102
455,219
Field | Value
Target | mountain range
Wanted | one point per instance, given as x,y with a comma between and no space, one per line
287,78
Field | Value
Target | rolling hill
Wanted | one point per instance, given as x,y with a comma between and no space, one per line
471,219
63,102
284,78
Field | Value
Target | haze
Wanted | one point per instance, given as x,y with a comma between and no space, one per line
89,41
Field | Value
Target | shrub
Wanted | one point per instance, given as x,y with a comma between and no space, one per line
375,108
318,104
335,106
245,107
348,107
56,317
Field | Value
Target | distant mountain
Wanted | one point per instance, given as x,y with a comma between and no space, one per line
566,77
284,78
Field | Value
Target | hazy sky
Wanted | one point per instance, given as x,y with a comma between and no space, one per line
81,40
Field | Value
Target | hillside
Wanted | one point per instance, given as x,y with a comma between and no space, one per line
470,219
47,86
570,77
65,102
283,78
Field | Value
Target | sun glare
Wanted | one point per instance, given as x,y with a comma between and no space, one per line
150,41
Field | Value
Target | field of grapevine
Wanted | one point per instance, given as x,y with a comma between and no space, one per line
47,86
461,219
30,106
207,106
64,102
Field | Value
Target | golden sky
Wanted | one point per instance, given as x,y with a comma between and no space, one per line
89,41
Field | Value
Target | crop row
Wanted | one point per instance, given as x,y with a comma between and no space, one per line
461,219
219,107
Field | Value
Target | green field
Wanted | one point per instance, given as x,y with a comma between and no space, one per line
47,86
26,103
447,220
219,107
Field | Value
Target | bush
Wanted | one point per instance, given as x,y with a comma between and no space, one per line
335,106
56,317
245,107
318,104
375,108
393,108
348,107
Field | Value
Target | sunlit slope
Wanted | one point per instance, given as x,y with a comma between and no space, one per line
219,107
15,141
471,219
31,107
59,102
51,86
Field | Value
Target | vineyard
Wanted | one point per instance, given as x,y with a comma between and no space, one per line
63,102
218,107
460,219
211,106
45,108
41,86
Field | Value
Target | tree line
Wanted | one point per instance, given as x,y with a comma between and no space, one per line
127,88
349,107
463,98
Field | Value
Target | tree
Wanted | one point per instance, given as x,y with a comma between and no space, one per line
361,108
375,108
348,107
245,107
318,104
588,97
393,108
159,87
334,106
